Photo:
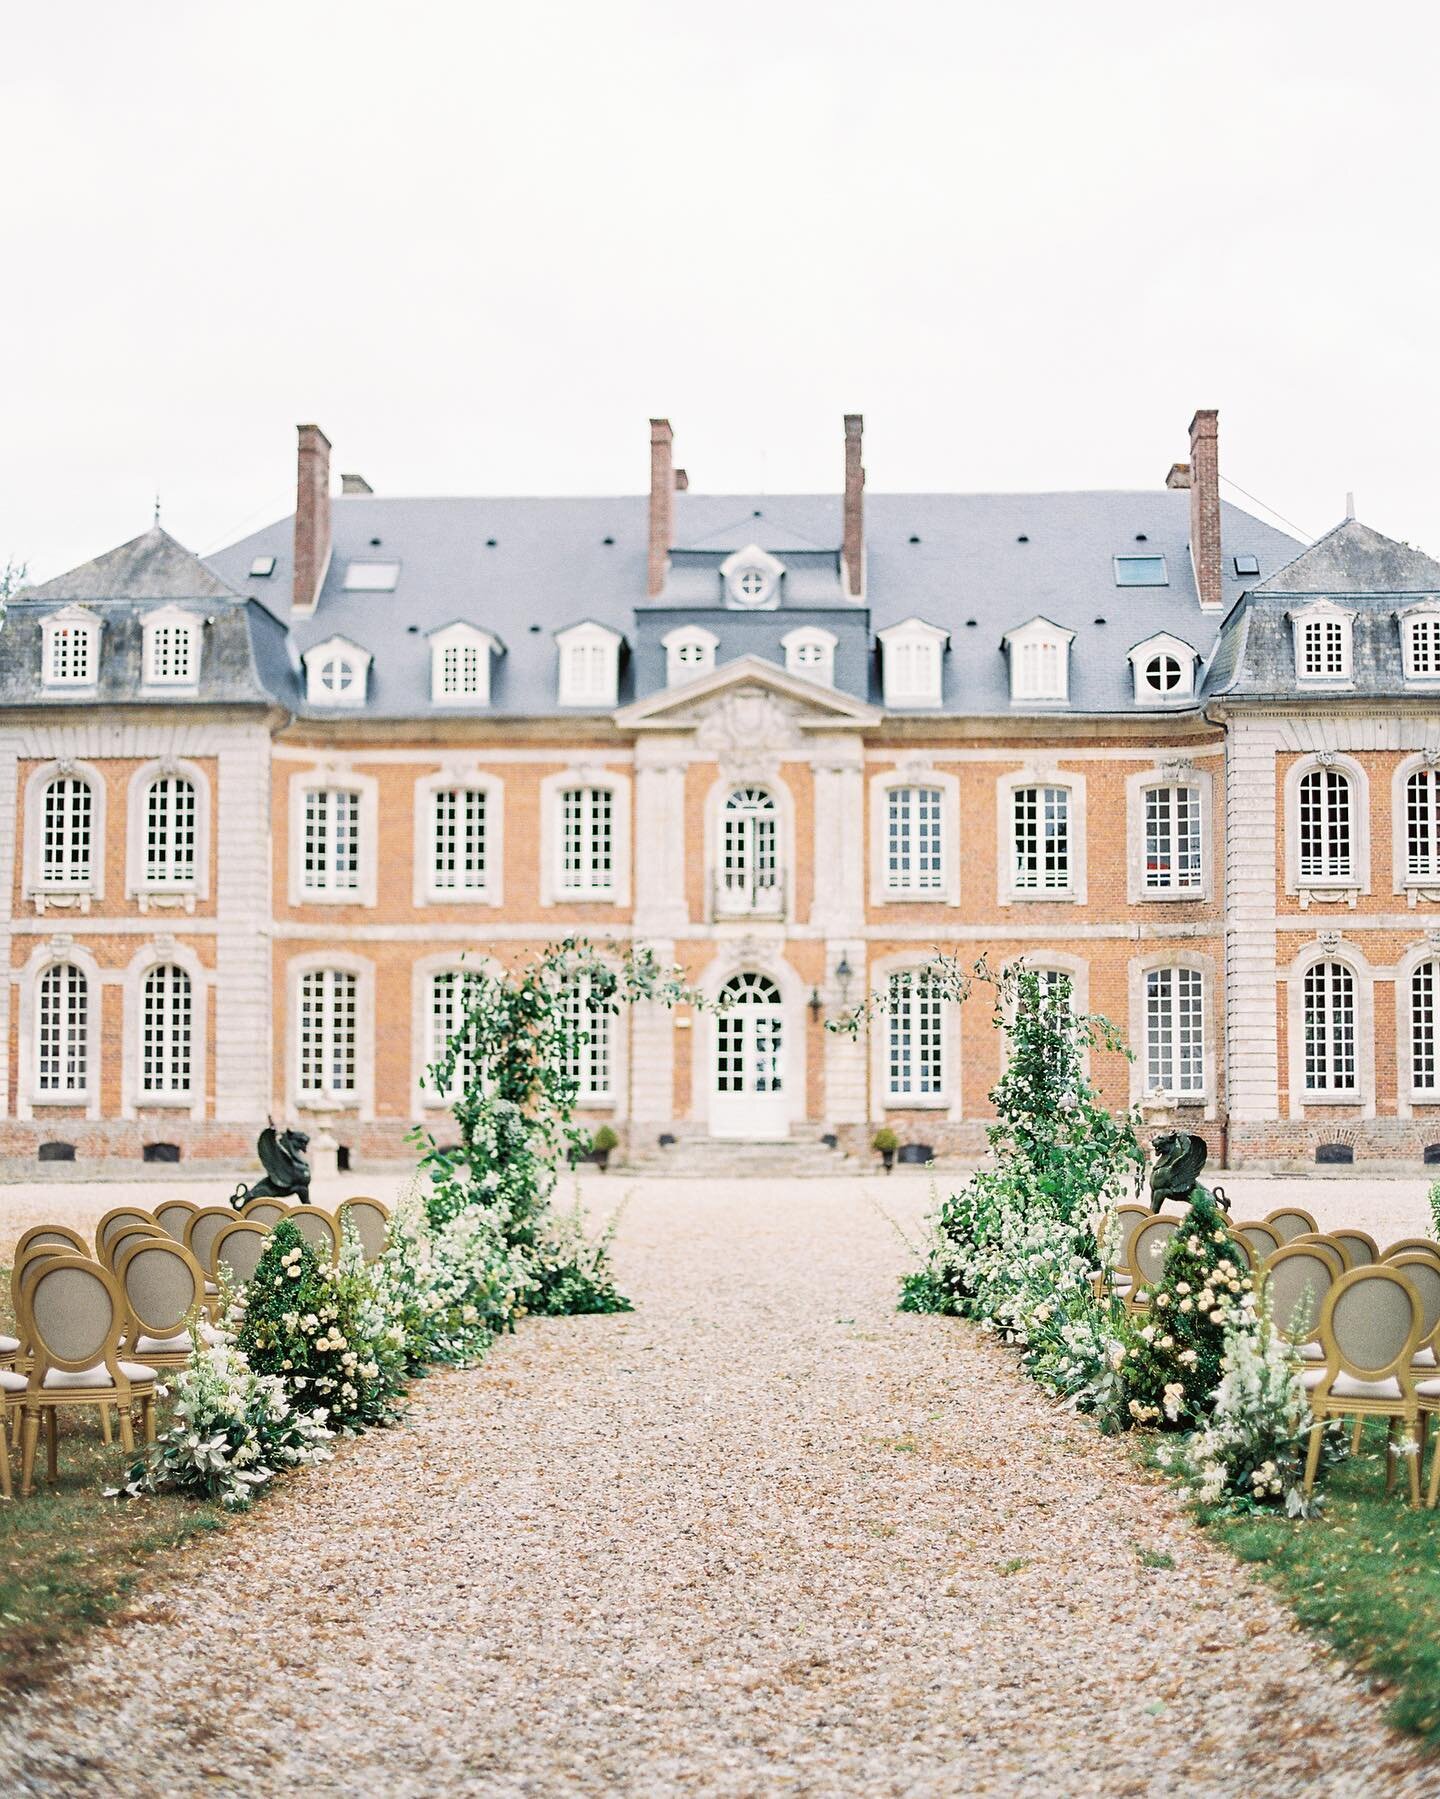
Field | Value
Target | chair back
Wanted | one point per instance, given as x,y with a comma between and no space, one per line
172,1217
1242,1245
124,1239
23,1270
1413,1246
1289,1222
1370,1325
1423,1274
1327,1242
1261,1237
372,1224
238,1250
264,1211
319,1230
115,1219
1359,1246
74,1317
1147,1249
163,1287
58,1236
1300,1276
203,1229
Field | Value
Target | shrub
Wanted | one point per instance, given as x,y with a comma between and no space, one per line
885,1141
604,1141
569,1271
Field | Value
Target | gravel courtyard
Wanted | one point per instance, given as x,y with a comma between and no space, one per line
764,1535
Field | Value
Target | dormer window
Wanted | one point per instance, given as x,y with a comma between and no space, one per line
810,652
172,648
912,663
752,579
589,665
1039,662
1164,669
689,651
1420,644
336,673
70,656
460,660
1322,644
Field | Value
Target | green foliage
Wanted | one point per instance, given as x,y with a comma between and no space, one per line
603,1141
1435,1208
885,1141
1176,1349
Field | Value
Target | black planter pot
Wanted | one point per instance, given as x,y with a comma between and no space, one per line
887,1158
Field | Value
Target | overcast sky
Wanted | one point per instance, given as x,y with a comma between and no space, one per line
482,244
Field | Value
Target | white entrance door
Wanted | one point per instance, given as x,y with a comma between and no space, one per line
749,1099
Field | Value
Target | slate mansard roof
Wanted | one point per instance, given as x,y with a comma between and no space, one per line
977,565
243,658
1371,577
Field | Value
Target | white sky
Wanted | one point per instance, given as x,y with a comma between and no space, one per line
481,244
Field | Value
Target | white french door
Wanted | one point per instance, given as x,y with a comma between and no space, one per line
748,1098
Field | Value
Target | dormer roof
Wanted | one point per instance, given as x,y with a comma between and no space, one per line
153,566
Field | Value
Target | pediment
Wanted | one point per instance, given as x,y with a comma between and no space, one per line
749,695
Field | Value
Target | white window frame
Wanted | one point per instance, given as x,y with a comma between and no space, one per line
1022,646
1138,787
426,892
191,1102
882,785
318,657
1406,968
912,664
752,579
360,1102
460,638
552,848
138,884
1318,615
316,780
29,1098
1419,885
715,806
429,1098
600,648
156,625
948,1102
587,1098
1362,1095
693,641
1176,963
1427,614
67,619
810,637
45,892
1145,653
1008,892
1308,887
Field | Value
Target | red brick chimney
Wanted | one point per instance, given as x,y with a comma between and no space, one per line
662,502
852,549
312,517
1205,508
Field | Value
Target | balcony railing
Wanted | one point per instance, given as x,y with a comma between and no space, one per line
749,893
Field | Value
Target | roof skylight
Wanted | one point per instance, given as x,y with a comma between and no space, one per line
371,577
1140,571
1247,565
262,567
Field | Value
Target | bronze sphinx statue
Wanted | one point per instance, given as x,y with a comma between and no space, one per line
287,1173
1179,1157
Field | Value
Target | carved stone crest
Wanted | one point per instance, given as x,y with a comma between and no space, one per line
1326,758
1430,756
1329,940
748,731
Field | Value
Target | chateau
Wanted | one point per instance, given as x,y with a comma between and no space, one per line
265,809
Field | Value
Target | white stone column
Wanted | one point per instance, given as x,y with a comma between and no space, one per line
660,762
652,1053
1251,1038
244,998
839,910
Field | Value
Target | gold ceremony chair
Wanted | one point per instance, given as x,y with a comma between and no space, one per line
1370,1329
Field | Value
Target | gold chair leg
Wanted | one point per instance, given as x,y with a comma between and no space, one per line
1412,1464
1357,1435
1389,1456
1433,1497
1312,1455
29,1435
107,1436
127,1428
7,1491
52,1445
147,1417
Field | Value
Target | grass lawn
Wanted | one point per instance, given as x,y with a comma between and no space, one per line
69,1558
1365,1574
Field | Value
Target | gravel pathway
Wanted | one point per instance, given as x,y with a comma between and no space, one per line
763,1536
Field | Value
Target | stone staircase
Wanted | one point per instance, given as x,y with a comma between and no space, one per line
699,1157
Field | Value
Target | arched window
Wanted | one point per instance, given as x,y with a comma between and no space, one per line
1329,1024
458,840
1174,1031
914,839
689,651
62,1030
328,1030
1326,814
67,833
749,1036
749,872
1424,991
588,1025
1422,825
171,813
450,991
167,1032
915,1040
